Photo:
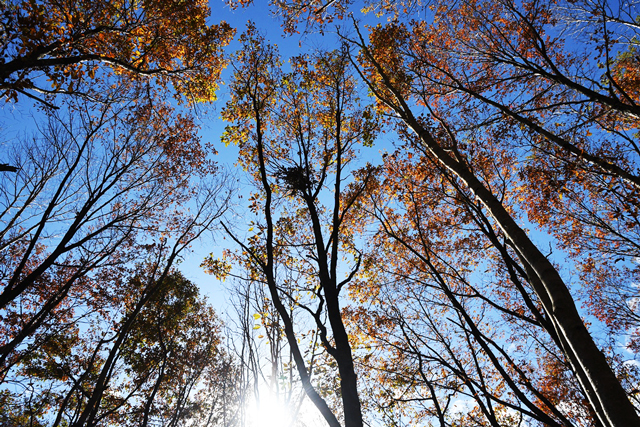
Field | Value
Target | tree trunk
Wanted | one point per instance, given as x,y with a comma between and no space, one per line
604,391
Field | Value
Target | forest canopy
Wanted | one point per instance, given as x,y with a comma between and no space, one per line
433,219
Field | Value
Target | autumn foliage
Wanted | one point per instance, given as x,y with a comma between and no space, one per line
505,213
61,46
97,206
481,272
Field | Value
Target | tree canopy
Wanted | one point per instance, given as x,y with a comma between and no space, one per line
54,46
437,222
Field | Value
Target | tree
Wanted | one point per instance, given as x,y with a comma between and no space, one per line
297,133
113,180
54,47
141,364
96,189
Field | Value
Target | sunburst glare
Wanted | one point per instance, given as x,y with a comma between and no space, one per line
269,410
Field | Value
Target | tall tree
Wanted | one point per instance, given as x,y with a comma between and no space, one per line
110,179
298,135
396,60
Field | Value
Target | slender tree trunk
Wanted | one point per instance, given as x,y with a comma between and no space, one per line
604,391
268,270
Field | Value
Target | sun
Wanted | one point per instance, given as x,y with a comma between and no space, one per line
269,411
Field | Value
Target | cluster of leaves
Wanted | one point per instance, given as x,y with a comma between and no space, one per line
64,46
